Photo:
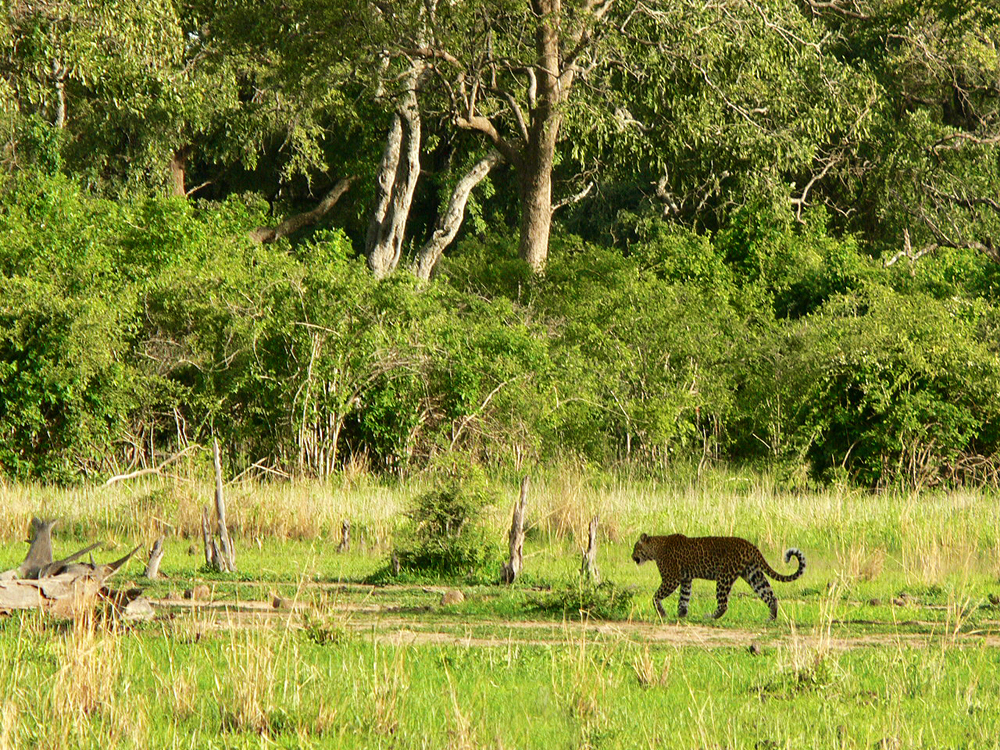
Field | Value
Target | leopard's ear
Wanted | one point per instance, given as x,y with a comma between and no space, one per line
644,538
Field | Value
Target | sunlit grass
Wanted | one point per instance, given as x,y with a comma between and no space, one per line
881,644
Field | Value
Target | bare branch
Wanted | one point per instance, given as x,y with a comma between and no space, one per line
263,235
575,198
831,161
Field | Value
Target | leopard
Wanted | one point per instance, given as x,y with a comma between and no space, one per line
722,559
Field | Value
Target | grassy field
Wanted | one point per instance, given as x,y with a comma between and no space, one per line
890,640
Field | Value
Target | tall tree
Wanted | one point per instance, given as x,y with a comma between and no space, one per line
510,71
929,177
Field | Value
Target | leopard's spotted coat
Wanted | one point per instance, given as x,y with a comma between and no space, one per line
722,559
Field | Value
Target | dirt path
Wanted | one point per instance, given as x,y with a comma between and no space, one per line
391,625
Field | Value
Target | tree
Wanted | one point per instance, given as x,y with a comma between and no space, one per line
932,175
509,71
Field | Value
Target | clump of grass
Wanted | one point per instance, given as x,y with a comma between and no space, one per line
389,682
648,672
582,598
247,700
92,683
323,630
860,562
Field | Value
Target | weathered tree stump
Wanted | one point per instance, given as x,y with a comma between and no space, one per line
512,568
345,537
60,587
589,566
155,556
218,555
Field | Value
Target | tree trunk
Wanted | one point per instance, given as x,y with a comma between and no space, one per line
512,569
155,557
59,80
178,171
450,220
397,181
227,561
588,567
536,208
345,537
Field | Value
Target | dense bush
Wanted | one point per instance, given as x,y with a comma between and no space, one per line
445,535
880,387
129,330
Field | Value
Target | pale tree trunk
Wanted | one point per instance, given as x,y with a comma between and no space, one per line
512,568
398,174
59,80
450,220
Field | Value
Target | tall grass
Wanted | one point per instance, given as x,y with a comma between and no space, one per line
81,687
922,540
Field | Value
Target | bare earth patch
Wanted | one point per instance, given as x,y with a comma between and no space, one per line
382,618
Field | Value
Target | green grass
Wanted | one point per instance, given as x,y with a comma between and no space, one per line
888,641
248,689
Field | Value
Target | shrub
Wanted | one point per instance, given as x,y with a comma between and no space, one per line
582,598
445,536
883,386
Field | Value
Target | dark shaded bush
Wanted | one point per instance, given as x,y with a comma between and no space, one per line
879,387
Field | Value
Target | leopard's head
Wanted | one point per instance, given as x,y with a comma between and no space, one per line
643,550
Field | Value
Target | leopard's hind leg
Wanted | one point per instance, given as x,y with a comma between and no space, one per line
758,582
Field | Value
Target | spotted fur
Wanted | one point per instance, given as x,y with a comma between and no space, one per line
722,559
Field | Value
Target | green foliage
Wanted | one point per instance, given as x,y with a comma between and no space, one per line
883,387
643,359
584,599
445,536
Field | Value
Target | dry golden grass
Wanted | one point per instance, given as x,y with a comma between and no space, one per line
651,672
859,562
388,683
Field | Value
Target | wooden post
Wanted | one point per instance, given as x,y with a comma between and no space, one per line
589,566
512,568
155,556
345,537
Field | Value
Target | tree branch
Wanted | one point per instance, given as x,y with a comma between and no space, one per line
263,235
575,198
485,126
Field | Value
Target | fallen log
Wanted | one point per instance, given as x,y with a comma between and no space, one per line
62,587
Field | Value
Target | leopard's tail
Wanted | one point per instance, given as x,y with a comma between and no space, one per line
789,554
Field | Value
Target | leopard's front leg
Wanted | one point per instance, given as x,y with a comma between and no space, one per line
665,590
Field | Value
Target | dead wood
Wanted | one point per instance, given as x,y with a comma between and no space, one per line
155,556
512,568
228,554
58,567
40,552
589,566
64,589
218,555
345,537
